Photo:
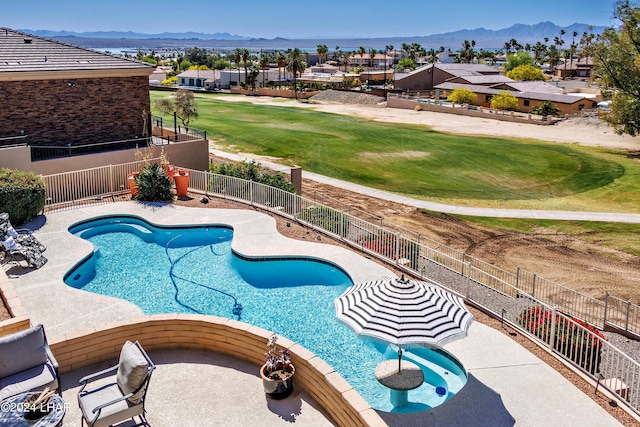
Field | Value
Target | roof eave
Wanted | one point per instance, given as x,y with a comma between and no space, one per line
74,74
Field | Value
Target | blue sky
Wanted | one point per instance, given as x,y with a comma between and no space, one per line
299,19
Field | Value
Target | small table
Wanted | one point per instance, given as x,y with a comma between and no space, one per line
409,377
12,412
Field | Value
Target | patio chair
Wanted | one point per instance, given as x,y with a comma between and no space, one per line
27,363
22,236
123,397
15,253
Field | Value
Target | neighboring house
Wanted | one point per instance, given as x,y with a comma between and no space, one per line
578,68
527,100
379,60
158,75
58,94
426,77
199,79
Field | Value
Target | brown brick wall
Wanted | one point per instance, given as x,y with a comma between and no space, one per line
53,112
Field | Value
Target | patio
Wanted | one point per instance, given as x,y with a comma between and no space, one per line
507,384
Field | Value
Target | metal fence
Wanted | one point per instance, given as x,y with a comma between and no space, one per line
523,299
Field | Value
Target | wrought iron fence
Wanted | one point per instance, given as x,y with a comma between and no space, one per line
522,299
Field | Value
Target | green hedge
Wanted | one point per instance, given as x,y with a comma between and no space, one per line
22,195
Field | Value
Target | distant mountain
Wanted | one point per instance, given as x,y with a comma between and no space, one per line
485,39
133,35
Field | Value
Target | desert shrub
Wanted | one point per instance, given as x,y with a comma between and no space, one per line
154,184
545,109
462,96
326,218
22,195
575,339
251,171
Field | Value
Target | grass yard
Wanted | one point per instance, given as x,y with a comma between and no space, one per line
421,163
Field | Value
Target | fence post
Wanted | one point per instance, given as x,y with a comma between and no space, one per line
463,254
552,336
517,280
468,270
533,287
626,320
606,307
111,183
397,248
251,192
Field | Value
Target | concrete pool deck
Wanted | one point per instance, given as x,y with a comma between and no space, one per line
507,384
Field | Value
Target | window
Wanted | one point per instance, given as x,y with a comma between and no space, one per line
526,102
182,80
190,82
488,98
581,107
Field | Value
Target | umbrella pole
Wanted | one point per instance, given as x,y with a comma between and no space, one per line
399,360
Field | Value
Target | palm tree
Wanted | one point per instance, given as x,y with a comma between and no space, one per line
573,47
322,50
388,48
295,64
281,61
245,60
265,60
372,57
346,59
361,52
335,55
237,56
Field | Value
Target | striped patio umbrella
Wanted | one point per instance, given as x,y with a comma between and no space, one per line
403,312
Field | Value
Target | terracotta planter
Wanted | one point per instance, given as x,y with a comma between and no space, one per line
133,187
169,169
277,388
182,182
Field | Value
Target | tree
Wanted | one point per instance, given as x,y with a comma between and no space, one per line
182,103
322,50
617,68
237,56
195,55
281,61
462,96
296,64
265,60
361,52
504,101
526,73
244,52
388,48
545,109
468,53
520,58
372,57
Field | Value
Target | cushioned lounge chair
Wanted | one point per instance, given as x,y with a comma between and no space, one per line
22,236
27,363
15,253
123,397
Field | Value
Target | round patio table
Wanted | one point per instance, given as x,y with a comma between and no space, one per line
12,412
409,377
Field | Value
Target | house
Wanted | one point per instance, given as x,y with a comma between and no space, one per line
57,94
426,77
200,79
578,68
527,100
379,60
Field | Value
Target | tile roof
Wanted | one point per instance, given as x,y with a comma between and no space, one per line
553,97
22,52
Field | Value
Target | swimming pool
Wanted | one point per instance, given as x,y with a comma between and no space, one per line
193,270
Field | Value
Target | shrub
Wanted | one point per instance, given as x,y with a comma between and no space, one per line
545,109
154,184
326,218
504,101
251,171
462,96
575,339
417,108
22,195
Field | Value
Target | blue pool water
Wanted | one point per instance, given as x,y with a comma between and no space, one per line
194,270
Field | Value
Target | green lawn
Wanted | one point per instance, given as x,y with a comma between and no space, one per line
419,162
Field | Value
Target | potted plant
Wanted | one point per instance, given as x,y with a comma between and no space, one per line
277,372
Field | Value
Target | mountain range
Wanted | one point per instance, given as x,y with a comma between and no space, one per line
484,38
